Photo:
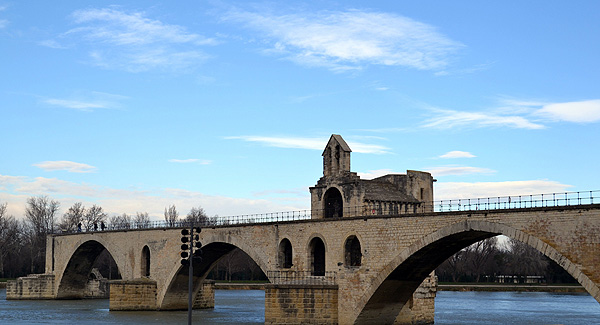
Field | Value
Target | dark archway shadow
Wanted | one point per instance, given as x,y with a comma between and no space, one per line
87,256
176,296
333,203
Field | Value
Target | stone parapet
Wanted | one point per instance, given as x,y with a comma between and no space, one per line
301,304
33,286
138,294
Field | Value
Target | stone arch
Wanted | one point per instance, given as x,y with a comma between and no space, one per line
352,252
400,278
145,262
317,256
333,203
175,294
73,280
284,256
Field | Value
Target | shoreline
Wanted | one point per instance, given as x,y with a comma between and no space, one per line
508,287
441,287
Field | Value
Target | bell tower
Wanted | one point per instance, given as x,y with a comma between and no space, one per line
336,157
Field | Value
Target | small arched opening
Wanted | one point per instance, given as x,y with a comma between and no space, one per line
352,252
317,257
333,203
145,261
285,254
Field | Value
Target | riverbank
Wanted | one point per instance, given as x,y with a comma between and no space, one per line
510,287
441,287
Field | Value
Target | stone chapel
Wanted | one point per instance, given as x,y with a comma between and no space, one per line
342,193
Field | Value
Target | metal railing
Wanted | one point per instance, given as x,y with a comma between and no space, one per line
301,277
373,209
519,201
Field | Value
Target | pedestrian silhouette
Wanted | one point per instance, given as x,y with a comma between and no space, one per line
102,226
79,227
95,226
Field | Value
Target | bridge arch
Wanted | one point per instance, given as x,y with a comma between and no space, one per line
285,256
400,278
73,279
175,294
145,262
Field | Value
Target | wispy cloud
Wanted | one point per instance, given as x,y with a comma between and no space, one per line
348,40
69,166
3,22
462,190
86,101
458,170
518,114
133,42
309,143
191,161
457,154
447,119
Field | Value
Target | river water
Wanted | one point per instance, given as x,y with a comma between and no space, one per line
247,307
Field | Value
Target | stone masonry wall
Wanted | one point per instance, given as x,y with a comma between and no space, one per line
301,304
421,308
205,298
34,286
139,294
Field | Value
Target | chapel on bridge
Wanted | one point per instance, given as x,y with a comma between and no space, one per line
342,193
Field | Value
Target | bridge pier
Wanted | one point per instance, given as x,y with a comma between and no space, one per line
31,287
301,304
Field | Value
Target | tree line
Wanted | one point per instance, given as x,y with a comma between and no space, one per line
23,241
490,261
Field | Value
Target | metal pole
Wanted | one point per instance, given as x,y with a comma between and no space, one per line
191,272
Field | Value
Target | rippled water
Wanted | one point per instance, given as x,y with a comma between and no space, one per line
247,307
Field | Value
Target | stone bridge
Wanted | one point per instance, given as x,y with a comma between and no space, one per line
372,285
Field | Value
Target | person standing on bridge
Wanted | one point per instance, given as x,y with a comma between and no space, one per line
95,226
79,227
102,225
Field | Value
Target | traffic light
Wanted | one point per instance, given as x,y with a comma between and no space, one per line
191,246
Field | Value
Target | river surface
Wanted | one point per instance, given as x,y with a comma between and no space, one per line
247,307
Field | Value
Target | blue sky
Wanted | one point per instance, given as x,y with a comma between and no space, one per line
228,105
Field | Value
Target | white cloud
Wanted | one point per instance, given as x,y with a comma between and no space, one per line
87,101
192,160
447,119
69,166
132,42
461,190
457,170
310,143
457,154
577,112
351,39
371,174
16,190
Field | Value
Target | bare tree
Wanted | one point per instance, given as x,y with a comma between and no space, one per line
171,215
120,222
141,220
93,217
40,214
526,260
9,234
197,216
72,217
479,254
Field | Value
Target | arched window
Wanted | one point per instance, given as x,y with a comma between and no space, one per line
317,257
352,252
334,204
145,261
285,254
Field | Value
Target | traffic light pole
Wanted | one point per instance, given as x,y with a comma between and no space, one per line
191,249
191,273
